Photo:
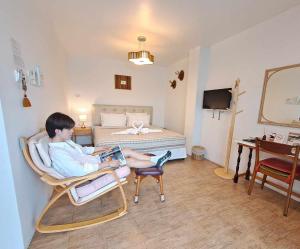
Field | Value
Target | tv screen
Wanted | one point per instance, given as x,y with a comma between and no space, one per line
218,99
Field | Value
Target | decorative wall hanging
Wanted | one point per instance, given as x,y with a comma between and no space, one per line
122,82
26,101
35,76
180,74
173,83
20,77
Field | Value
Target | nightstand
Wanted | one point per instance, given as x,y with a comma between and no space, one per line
83,132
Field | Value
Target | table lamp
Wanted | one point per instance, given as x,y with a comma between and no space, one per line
82,118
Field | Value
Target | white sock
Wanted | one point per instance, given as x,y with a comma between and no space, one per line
154,159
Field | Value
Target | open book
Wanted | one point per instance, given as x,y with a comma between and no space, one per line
114,153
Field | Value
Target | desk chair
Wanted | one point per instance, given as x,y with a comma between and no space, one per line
285,168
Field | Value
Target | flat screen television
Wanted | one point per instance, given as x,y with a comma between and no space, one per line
218,99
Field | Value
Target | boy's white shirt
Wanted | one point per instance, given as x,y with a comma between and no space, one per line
71,159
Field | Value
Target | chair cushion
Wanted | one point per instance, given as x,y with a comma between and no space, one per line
279,164
149,171
95,194
43,148
35,156
101,182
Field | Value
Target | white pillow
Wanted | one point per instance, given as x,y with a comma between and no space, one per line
113,119
138,117
43,148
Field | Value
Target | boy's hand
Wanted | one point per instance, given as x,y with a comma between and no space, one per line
114,163
100,149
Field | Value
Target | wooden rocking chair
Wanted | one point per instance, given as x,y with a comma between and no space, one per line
69,185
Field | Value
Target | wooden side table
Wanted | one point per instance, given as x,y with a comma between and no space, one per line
86,132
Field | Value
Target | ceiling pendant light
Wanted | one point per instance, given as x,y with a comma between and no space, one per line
141,57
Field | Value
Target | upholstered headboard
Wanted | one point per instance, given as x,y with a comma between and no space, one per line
98,108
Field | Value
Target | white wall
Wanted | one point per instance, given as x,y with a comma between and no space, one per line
92,81
175,98
20,20
271,44
9,214
197,78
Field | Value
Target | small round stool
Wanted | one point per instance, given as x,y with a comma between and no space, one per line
141,173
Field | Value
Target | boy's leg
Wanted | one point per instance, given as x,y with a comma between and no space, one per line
135,163
139,156
134,154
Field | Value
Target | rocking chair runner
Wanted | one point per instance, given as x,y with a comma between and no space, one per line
69,185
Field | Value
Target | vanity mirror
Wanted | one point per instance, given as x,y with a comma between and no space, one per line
280,101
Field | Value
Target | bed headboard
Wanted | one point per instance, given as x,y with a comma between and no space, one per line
98,108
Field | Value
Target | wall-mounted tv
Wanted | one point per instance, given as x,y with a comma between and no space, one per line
218,99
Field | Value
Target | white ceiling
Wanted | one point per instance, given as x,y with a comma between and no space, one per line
172,27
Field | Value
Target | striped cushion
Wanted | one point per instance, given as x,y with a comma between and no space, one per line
102,181
280,165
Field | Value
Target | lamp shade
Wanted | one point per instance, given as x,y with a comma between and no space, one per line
82,117
141,57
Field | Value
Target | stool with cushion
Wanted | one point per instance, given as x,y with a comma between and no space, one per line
155,172
80,190
285,168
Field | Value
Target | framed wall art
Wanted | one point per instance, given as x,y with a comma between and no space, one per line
122,82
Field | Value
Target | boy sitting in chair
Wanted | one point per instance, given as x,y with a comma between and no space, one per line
71,159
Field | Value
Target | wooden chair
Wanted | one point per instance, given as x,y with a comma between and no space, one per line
283,167
69,186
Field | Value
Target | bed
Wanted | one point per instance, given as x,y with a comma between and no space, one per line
154,143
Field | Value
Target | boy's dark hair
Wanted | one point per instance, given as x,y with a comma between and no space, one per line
58,121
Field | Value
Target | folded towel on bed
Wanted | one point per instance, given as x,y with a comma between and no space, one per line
133,131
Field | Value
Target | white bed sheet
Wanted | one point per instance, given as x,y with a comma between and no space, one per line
154,143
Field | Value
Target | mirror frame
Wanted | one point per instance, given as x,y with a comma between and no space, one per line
261,118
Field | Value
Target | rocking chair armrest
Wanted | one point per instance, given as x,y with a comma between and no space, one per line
66,181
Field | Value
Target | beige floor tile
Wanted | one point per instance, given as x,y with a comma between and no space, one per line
200,211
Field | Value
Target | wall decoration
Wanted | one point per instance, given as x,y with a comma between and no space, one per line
180,74
122,82
293,101
293,138
173,83
35,76
26,101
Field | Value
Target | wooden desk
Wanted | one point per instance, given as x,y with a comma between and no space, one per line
251,146
242,144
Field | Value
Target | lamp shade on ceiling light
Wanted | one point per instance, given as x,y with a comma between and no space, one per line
141,57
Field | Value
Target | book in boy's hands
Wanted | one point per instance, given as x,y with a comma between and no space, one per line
114,153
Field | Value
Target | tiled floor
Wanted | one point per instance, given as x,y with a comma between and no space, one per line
201,211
